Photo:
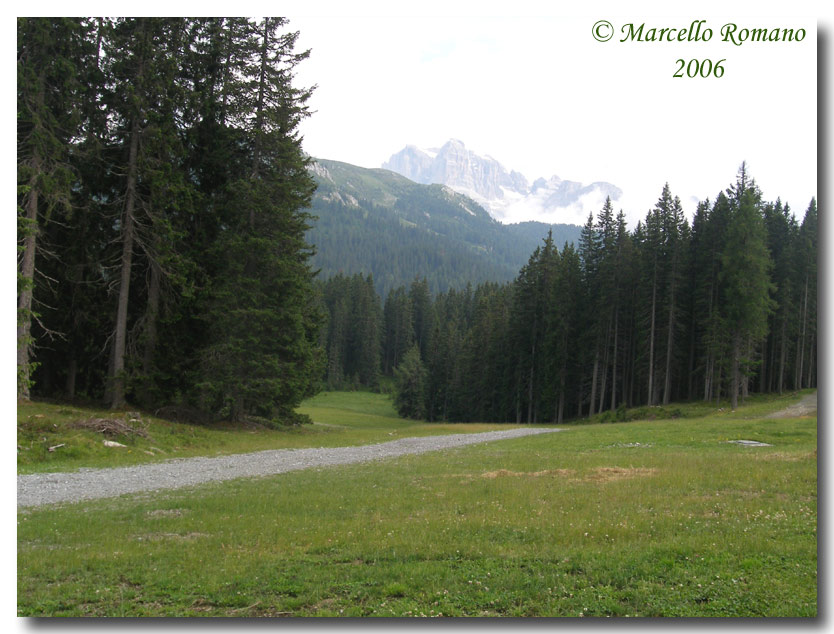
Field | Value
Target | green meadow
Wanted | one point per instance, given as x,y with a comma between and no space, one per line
340,419
645,518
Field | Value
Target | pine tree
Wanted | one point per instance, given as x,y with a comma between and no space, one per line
422,317
398,334
48,121
143,54
782,233
366,332
590,254
263,359
410,386
565,326
676,236
807,267
745,278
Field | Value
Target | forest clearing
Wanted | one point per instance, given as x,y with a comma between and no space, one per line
255,380
663,517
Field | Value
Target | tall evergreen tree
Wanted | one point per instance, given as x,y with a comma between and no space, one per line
398,334
807,267
48,121
263,356
676,237
590,254
745,278
143,54
782,242
410,390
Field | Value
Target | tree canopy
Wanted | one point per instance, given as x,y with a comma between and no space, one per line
668,311
162,191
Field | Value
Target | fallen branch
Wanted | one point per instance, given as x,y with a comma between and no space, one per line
110,427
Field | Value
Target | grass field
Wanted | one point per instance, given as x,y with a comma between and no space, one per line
340,419
645,518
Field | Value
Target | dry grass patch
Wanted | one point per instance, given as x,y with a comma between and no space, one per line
155,537
166,513
788,457
609,474
506,473
599,474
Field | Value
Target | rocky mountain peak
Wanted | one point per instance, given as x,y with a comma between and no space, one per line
506,194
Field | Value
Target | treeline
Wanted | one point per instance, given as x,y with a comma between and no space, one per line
374,240
161,189
380,223
668,311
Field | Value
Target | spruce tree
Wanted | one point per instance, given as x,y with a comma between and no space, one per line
410,385
745,278
262,358
398,336
48,121
806,255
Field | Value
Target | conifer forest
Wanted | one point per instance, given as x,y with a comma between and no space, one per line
163,215
666,312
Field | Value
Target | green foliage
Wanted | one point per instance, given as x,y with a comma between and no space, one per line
664,312
353,336
376,222
50,53
180,268
410,390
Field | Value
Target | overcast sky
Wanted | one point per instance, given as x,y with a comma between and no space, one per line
528,84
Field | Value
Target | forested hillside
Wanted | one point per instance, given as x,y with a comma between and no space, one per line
378,223
167,230
161,197
669,311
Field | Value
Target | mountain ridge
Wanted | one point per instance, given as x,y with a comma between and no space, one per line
506,194
376,221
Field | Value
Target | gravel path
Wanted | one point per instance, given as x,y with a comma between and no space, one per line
88,484
806,405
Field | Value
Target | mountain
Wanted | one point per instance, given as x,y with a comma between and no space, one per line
507,195
379,222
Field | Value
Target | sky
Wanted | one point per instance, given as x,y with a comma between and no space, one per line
527,84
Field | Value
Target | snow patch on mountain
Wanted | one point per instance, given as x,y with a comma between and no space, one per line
506,194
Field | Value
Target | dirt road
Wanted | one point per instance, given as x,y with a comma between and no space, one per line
806,406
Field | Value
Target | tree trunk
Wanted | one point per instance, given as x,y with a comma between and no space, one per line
717,381
670,341
651,341
530,383
24,299
690,385
151,335
801,339
259,109
594,384
708,376
735,373
782,357
614,361
604,377
117,377
518,394
745,378
561,406
72,374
